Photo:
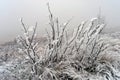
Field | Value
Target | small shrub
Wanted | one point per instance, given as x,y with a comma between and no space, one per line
69,58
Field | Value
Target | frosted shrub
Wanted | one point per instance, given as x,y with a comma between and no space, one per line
80,57
29,48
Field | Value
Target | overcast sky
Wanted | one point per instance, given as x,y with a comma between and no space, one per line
36,10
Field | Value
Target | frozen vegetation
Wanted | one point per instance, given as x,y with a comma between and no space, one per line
87,54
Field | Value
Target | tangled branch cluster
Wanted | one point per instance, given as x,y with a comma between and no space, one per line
80,57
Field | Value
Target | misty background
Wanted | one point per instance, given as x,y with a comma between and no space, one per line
36,11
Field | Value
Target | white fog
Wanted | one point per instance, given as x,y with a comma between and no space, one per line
36,11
